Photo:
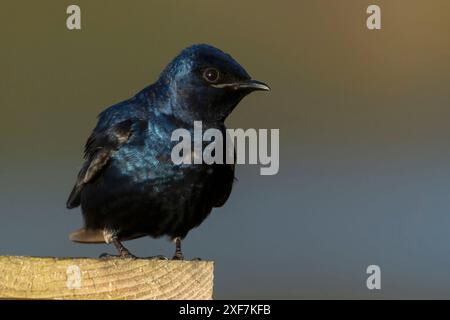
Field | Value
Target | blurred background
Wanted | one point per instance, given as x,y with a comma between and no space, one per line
364,126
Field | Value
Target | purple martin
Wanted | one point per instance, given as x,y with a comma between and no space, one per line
128,186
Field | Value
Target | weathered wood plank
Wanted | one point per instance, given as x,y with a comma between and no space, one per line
113,278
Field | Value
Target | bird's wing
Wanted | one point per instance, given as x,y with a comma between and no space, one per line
99,147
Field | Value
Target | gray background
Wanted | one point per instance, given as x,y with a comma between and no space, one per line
364,124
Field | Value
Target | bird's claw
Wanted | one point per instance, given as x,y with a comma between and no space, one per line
158,257
181,258
122,256
178,257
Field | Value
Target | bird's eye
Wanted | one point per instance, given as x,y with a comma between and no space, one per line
211,75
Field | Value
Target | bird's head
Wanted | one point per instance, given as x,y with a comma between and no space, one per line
204,83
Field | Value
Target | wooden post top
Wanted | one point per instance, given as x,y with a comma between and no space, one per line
112,278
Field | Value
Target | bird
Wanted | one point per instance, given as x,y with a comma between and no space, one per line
128,187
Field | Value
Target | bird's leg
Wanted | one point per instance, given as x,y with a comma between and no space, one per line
123,252
178,254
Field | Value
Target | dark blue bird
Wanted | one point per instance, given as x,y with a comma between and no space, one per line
128,186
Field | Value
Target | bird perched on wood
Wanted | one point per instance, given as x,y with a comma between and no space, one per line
128,186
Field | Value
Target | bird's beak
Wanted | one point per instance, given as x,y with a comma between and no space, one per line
252,85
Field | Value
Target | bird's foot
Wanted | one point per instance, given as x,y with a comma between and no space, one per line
122,255
181,258
158,257
127,255
105,255
178,256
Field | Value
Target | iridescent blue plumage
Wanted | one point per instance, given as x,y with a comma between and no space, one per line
128,186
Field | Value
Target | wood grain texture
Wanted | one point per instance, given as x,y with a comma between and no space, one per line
113,278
